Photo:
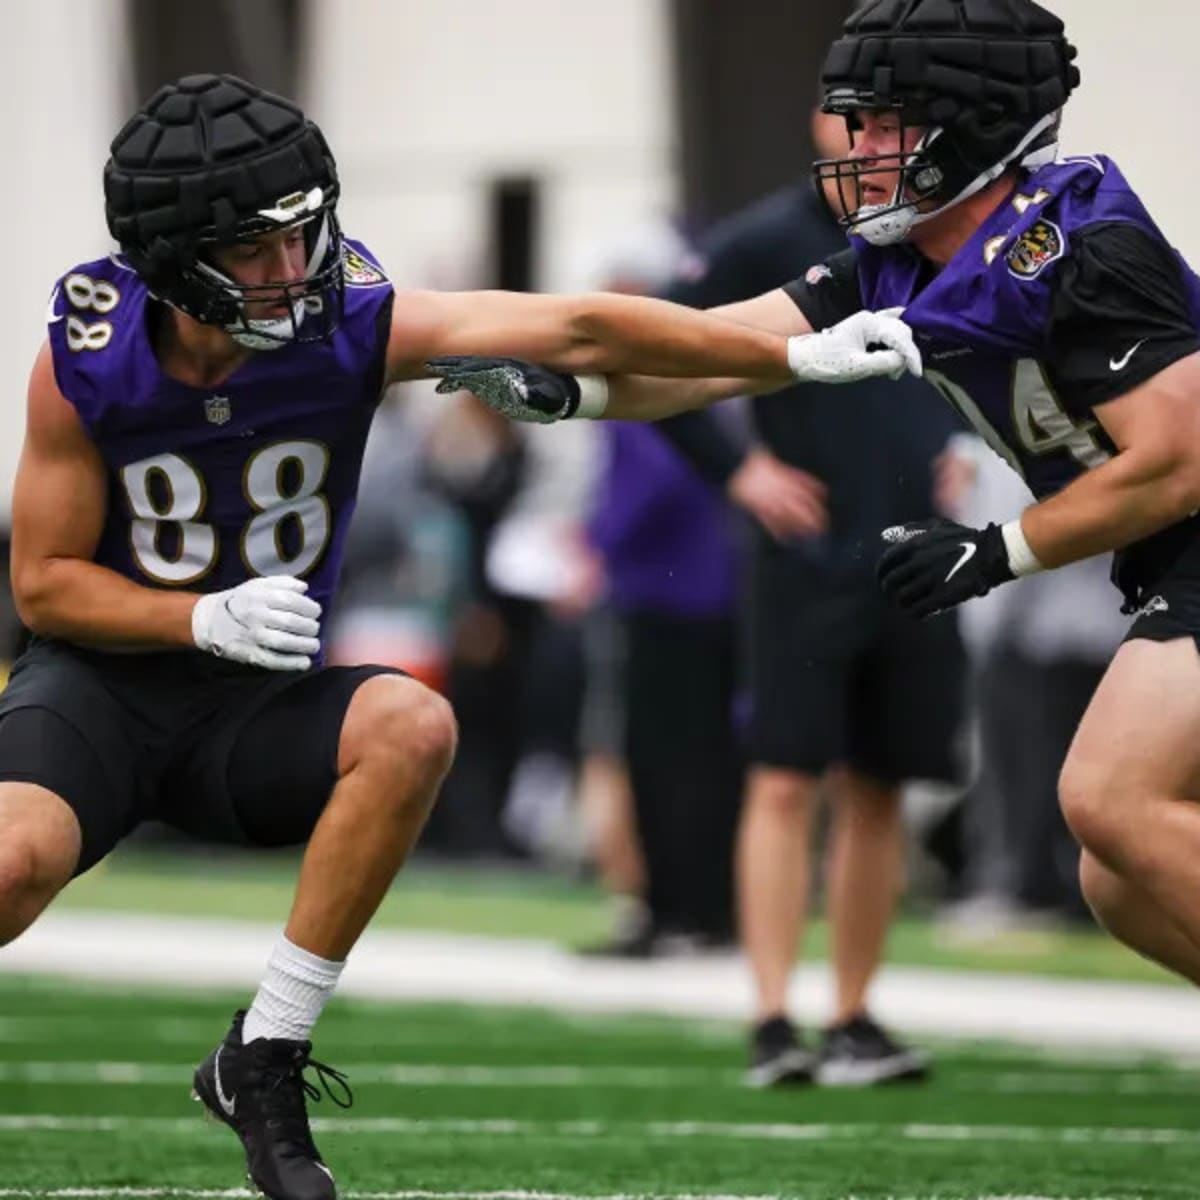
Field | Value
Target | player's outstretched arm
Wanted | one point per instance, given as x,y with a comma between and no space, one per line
59,508
599,333
611,334
865,345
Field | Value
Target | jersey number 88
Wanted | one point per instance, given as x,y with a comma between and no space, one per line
166,488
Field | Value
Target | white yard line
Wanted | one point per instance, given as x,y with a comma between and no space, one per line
169,1193
391,1126
402,1074
388,965
433,1075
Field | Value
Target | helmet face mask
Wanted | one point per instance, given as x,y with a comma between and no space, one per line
912,177
984,81
212,162
312,305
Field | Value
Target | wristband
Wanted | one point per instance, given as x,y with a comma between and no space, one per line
1021,558
593,396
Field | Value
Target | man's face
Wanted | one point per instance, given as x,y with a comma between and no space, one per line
279,257
881,134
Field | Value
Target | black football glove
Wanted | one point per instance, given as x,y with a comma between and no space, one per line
930,566
520,390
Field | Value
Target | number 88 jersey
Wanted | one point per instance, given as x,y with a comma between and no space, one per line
211,486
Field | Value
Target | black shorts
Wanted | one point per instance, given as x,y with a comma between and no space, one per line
1166,597
224,752
838,676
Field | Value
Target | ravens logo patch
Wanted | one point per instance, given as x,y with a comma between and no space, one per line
359,270
1039,246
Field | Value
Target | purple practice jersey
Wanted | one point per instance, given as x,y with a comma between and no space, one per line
209,487
1006,342
1065,298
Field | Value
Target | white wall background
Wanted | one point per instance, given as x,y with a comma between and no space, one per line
1138,102
426,99
62,75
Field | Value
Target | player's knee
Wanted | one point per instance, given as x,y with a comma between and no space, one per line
30,875
1100,887
1089,806
400,725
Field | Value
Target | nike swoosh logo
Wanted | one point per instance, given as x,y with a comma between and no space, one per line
51,315
1119,364
226,1102
969,549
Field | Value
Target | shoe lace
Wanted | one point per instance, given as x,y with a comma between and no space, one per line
284,1089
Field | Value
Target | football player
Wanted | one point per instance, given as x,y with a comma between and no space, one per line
1051,312
196,423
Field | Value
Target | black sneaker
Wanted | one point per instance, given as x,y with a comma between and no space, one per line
777,1055
259,1091
635,935
859,1053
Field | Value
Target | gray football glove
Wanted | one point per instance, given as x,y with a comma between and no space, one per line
520,390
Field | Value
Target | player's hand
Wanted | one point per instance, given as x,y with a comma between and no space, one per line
266,622
863,346
787,502
930,566
520,390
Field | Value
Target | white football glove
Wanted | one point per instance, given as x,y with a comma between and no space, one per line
840,354
266,622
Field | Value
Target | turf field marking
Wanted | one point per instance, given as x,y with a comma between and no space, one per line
1128,1083
1081,1135
411,1074
84,1193
1083,1083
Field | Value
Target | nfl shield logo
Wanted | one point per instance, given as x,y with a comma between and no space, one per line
218,409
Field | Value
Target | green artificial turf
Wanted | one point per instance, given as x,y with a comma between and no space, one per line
94,1089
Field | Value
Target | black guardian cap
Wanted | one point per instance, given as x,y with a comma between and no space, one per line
985,79
211,160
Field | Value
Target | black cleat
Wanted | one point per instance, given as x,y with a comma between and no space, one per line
777,1056
858,1053
259,1091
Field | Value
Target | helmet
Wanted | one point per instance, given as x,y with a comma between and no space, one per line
985,80
210,161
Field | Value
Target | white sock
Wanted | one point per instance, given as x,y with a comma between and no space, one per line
293,992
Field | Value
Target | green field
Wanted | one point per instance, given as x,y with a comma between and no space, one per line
458,1100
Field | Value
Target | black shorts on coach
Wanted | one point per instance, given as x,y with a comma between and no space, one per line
222,751
838,676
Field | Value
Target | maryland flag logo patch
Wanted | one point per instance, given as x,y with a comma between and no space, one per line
1039,246
359,270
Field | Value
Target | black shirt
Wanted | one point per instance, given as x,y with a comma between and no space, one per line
871,443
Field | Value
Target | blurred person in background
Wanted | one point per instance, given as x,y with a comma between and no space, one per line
848,700
543,576
1059,321
196,425
672,556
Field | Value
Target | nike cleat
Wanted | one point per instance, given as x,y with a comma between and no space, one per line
259,1091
